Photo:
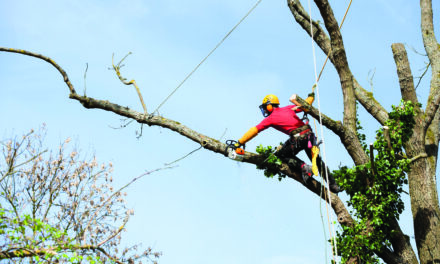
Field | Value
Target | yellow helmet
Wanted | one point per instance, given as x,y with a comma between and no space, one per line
269,101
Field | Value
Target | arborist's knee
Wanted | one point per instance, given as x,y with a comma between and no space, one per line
284,151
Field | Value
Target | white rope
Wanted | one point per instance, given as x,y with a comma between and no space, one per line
207,56
331,224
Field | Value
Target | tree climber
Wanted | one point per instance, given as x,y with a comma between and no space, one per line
301,136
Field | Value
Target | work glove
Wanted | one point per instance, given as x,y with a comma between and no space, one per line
315,153
238,144
310,98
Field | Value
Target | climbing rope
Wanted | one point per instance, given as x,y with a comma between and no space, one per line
330,52
207,56
316,86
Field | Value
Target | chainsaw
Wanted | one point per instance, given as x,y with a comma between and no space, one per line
233,151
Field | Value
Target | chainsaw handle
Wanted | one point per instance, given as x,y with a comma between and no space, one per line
233,144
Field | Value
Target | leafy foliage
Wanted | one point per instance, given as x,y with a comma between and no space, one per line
27,235
271,162
374,189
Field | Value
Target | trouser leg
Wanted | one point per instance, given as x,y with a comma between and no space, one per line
288,152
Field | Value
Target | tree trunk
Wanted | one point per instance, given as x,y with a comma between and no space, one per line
422,186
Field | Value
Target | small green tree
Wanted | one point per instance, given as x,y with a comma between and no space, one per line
56,206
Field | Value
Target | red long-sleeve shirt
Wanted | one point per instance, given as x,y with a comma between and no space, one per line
283,119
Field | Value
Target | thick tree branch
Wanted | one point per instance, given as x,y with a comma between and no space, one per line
303,19
428,35
432,48
341,64
348,137
433,101
211,144
406,80
401,246
370,104
335,126
206,142
363,96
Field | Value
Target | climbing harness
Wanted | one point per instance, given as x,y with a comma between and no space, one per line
305,118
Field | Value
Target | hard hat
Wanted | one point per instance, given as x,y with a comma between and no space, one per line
269,101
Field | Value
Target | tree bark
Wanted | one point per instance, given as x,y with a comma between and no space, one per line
424,197
424,203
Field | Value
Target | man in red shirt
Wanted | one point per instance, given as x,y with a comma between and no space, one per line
301,136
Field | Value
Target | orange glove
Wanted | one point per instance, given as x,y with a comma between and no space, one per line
250,134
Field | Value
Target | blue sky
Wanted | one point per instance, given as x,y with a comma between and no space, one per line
208,209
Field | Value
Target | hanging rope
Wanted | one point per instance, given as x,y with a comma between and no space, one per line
316,86
207,56
329,221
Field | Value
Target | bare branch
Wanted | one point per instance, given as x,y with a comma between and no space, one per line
370,103
99,208
85,78
47,59
423,75
117,69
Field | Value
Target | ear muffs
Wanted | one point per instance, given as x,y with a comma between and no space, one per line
269,108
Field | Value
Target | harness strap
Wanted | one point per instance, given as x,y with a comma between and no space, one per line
300,131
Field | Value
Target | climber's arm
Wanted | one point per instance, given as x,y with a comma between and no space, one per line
250,134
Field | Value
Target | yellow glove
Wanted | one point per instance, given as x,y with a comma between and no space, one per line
315,152
310,98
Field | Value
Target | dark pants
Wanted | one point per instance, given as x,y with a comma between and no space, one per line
294,145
